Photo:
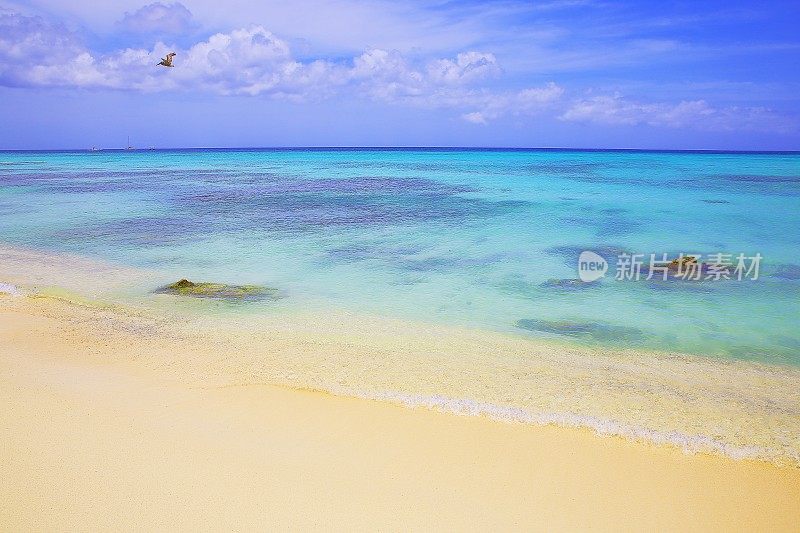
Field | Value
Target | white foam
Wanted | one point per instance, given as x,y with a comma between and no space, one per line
688,443
7,288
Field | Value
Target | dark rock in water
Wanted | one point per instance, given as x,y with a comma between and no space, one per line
220,291
682,263
684,268
568,284
590,330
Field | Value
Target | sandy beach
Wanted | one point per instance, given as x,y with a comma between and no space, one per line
107,424
489,265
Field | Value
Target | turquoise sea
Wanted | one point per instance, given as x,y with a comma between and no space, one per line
479,238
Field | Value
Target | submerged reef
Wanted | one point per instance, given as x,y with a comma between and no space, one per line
571,253
590,330
787,271
715,201
568,284
220,291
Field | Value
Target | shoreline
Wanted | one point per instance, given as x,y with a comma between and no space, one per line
96,437
743,410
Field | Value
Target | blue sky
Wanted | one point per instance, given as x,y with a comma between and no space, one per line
567,73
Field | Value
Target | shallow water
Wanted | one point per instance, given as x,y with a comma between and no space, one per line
467,237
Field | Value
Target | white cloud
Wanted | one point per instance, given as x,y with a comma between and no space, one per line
32,41
476,117
386,75
255,62
447,83
158,18
389,76
467,67
525,102
533,98
697,114
248,61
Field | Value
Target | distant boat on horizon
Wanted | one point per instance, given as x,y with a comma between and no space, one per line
129,147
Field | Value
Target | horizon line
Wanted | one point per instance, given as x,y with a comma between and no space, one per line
409,147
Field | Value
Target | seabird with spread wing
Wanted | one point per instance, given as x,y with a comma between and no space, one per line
167,61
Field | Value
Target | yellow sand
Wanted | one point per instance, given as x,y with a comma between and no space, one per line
93,435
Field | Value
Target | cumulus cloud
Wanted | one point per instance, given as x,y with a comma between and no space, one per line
158,18
386,75
253,61
32,41
248,61
446,83
466,67
476,117
533,98
390,77
698,114
525,102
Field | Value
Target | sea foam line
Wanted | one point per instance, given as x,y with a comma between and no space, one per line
7,288
690,444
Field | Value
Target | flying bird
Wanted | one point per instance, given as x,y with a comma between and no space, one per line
167,61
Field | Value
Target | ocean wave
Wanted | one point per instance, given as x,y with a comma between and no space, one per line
690,444
7,288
